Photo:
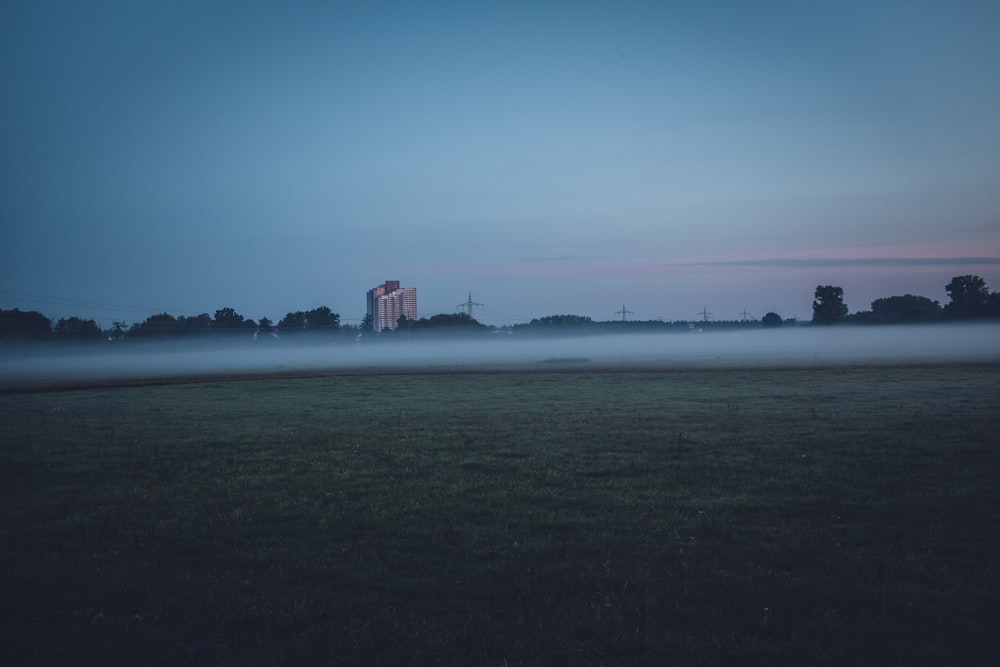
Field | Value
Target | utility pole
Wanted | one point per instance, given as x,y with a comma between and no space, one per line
624,313
469,305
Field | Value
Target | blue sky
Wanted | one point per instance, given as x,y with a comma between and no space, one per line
546,157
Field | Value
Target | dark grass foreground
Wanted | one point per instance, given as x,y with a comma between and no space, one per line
829,517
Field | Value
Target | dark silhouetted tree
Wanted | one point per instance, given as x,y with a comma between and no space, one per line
194,325
24,325
828,305
970,297
292,322
445,322
906,308
318,321
265,330
771,320
561,321
117,331
74,328
155,326
993,305
228,321
322,320
557,325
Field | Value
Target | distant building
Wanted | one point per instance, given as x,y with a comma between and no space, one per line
387,302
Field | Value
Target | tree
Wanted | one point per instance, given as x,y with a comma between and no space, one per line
117,331
265,330
447,322
317,320
24,325
229,321
557,325
771,320
906,308
292,322
561,321
322,319
198,324
993,305
154,326
828,305
74,328
969,297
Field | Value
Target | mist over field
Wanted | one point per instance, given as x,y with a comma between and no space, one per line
805,346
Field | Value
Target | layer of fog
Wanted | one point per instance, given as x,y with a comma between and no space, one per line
803,346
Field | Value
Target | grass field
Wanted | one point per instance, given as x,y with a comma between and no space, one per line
811,516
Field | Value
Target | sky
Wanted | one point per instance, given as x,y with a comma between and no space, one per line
667,158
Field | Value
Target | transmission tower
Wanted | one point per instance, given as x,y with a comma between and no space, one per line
745,314
705,314
469,305
624,313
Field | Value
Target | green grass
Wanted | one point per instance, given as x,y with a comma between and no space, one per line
823,516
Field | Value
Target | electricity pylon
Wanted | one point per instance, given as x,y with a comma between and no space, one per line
469,305
624,313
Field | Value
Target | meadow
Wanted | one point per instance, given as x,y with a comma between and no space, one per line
824,516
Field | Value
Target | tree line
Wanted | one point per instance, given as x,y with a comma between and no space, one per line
31,325
969,299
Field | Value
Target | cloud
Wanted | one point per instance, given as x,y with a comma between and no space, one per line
871,262
552,258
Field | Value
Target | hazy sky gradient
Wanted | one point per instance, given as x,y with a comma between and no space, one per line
546,157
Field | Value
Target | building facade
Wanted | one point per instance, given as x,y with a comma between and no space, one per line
389,301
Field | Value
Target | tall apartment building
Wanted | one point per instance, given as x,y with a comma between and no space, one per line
388,301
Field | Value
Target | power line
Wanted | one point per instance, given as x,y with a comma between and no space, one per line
73,303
